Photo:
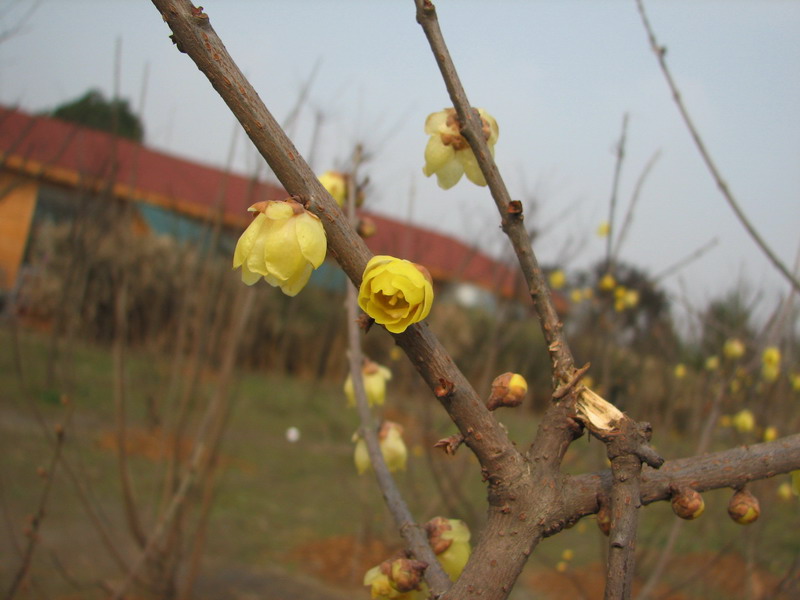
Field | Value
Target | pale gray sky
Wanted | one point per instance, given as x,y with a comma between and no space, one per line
557,75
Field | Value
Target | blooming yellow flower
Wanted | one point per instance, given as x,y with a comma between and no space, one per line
448,154
336,184
283,244
744,421
375,378
557,279
393,449
733,349
395,292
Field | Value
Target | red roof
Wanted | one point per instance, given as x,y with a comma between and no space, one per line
67,154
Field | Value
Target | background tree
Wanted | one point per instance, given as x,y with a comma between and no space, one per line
93,110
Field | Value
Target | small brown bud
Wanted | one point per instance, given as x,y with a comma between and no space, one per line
687,503
508,389
435,528
744,508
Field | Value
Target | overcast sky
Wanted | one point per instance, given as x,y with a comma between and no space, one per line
557,75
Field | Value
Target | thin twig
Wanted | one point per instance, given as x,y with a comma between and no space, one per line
686,260
612,203
412,533
660,52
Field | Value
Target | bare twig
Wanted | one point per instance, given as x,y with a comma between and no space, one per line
660,52
414,536
686,260
612,203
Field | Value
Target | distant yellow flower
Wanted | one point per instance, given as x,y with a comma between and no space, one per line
770,433
607,282
712,363
733,349
744,421
283,244
393,449
395,292
625,298
375,378
771,363
680,371
562,566
576,295
336,184
588,293
603,229
448,154
567,554
557,279
785,491
795,378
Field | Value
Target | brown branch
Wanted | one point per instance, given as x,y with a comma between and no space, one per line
660,52
510,211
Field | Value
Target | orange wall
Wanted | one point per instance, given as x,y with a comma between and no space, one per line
17,202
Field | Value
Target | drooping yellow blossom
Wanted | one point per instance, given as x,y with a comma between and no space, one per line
336,184
733,349
603,229
744,421
395,292
771,363
283,244
448,155
557,279
680,371
607,282
770,433
449,539
375,378
393,449
712,363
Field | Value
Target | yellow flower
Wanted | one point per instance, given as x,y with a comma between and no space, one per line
680,371
576,295
508,389
562,566
771,363
607,282
733,349
557,279
375,378
393,449
283,244
744,421
603,229
383,585
785,491
448,154
567,554
449,539
770,433
796,382
395,292
336,184
712,363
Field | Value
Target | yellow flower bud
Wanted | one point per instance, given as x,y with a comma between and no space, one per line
744,421
375,378
395,292
712,363
743,507
687,503
603,229
557,279
336,184
508,389
680,371
785,491
770,363
733,349
448,155
283,244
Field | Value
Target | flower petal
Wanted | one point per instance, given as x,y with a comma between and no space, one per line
471,168
437,155
247,240
282,254
311,238
436,122
449,175
297,282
